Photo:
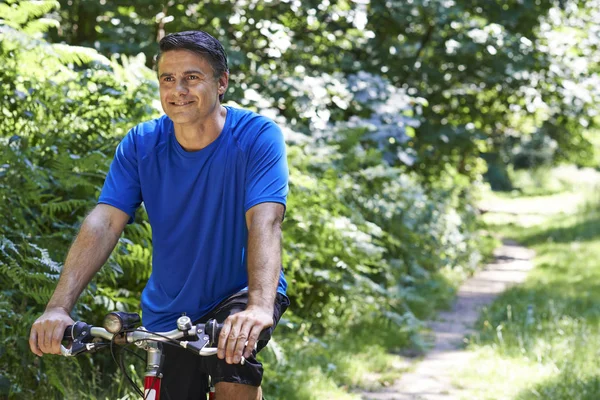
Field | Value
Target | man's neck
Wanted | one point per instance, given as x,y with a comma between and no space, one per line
196,136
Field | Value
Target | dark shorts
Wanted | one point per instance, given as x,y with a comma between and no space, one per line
184,373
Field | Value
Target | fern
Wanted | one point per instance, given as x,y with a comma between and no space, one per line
50,174
78,55
58,55
17,14
59,206
40,26
6,246
41,295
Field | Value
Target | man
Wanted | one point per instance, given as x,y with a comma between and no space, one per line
213,180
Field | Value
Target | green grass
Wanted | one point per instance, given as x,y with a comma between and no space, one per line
343,372
540,340
547,181
357,359
541,182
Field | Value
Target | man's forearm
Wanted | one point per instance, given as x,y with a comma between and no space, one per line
264,264
87,254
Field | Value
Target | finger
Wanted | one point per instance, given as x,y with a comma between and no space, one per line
223,338
46,343
59,332
241,342
252,340
33,342
232,339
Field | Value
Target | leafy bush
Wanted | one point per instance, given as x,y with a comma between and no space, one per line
60,126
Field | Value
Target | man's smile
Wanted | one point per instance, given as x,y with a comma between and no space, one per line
180,103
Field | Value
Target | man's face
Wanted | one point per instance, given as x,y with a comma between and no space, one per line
189,91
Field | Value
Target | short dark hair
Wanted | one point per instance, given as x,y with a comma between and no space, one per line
198,42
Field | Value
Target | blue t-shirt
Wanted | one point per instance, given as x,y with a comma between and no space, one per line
196,204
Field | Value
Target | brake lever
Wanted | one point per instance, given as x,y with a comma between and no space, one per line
196,346
79,348
81,340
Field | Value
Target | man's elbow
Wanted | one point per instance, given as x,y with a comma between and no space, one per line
102,221
266,216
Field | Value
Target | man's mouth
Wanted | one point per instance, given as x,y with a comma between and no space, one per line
181,103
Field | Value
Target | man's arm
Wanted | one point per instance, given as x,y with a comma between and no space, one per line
264,267
97,238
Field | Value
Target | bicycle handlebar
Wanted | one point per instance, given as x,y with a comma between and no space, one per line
201,335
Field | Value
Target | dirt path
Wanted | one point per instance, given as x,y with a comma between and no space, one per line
431,377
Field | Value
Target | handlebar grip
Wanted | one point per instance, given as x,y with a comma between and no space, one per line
78,335
212,328
68,335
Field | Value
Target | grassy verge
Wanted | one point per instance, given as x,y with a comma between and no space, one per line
363,357
319,372
539,340
335,367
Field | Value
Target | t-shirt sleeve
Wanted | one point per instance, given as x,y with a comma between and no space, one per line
122,185
267,174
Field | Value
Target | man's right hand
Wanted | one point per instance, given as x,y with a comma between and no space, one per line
48,330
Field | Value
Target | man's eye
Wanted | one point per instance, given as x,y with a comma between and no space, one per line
168,79
191,77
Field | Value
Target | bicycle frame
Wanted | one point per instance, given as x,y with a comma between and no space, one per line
153,376
152,388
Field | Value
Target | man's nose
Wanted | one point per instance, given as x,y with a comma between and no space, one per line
181,87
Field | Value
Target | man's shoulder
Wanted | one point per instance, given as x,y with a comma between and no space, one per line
247,126
154,127
148,135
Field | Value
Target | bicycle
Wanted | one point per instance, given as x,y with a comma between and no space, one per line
119,328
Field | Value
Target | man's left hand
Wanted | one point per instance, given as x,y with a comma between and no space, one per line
240,328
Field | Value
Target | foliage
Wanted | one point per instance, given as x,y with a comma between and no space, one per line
369,249
385,136
60,126
499,77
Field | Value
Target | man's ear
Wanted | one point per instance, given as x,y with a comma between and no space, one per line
223,82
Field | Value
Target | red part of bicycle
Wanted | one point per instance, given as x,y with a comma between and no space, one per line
211,389
152,388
